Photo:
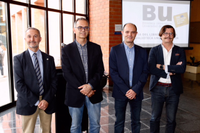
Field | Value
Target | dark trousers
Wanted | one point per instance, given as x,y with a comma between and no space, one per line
159,96
120,113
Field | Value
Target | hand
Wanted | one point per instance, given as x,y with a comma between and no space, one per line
85,89
130,94
43,104
172,74
92,92
179,63
158,66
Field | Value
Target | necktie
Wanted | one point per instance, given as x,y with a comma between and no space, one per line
38,74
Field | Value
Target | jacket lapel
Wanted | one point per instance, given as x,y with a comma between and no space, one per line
30,63
123,59
77,57
160,54
173,60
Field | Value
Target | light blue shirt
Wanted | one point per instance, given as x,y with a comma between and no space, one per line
40,61
130,54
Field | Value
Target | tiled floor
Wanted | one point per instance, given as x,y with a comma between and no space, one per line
188,116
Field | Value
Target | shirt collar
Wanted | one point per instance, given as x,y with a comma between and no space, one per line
126,47
166,49
79,45
31,52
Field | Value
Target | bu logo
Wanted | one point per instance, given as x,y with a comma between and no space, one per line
149,13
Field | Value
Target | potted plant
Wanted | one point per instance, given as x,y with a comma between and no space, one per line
193,66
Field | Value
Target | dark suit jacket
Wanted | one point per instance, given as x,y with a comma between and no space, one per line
119,71
74,73
156,57
26,83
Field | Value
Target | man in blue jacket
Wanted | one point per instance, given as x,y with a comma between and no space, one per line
129,71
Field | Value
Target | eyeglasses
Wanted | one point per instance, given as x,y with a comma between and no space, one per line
80,28
166,34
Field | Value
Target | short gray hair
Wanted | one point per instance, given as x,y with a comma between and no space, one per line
32,28
80,19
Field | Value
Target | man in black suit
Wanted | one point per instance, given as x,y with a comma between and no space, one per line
83,68
35,82
166,63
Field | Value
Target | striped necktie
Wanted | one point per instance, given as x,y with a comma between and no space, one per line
38,74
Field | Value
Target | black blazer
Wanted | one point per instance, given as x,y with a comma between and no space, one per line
74,73
119,71
156,57
26,83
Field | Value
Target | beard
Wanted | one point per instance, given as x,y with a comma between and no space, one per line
33,46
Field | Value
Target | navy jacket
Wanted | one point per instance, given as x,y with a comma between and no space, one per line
156,57
119,71
74,73
26,83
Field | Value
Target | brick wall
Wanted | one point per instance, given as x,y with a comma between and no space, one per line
103,15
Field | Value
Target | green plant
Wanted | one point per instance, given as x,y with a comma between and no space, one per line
193,63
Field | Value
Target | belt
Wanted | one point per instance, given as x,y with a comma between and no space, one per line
164,84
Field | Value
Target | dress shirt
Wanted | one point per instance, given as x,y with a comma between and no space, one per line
130,54
40,61
84,57
167,59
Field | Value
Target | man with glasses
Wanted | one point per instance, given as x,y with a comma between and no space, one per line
166,63
83,68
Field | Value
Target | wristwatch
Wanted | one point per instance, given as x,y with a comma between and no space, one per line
161,67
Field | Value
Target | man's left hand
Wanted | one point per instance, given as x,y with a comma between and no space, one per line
130,94
85,89
43,104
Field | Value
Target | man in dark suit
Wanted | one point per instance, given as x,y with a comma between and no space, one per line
129,71
83,68
35,82
166,63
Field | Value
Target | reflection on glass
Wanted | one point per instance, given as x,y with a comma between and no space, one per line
54,4
25,1
18,28
54,37
4,82
38,2
81,6
67,28
38,21
68,5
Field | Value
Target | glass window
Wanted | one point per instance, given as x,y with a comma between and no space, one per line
38,2
54,4
68,28
5,90
25,1
38,21
54,37
68,5
18,28
81,6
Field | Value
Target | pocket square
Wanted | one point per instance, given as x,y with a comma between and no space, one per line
177,54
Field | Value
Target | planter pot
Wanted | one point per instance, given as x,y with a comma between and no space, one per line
192,69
